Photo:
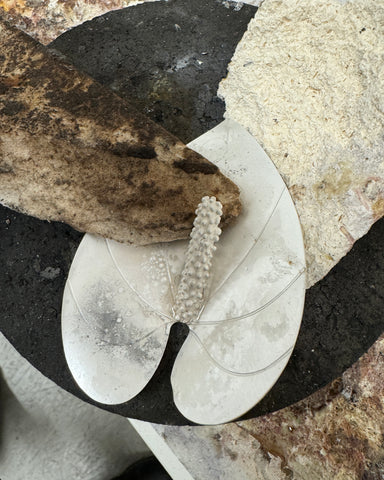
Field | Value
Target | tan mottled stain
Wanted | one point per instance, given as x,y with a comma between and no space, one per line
73,151
19,6
378,208
335,182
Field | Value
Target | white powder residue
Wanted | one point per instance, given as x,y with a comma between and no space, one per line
307,80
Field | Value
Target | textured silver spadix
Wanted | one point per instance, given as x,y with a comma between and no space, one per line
195,275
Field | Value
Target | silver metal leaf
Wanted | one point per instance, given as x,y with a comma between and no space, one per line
117,306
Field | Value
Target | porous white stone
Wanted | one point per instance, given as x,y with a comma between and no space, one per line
307,80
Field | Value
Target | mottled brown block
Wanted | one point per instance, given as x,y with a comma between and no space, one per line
73,151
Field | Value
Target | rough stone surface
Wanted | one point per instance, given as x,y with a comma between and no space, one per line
343,316
73,151
307,81
336,433
167,58
47,19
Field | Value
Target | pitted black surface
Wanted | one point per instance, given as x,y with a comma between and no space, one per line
139,53
167,58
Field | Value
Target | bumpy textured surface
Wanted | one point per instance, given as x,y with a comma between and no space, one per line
195,275
307,81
